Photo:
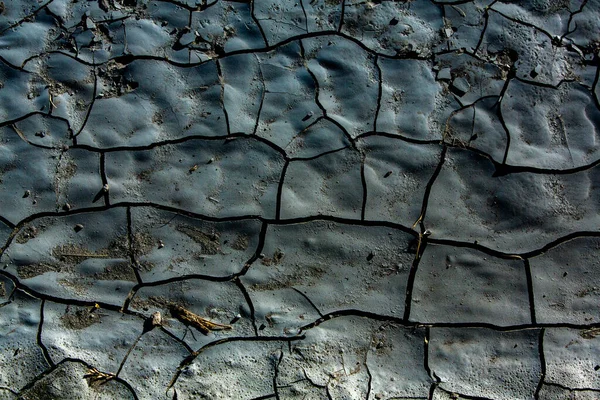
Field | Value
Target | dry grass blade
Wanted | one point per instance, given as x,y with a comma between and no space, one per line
590,333
95,377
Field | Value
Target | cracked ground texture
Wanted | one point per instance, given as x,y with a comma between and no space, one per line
299,199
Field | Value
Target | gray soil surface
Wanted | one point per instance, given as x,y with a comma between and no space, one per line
299,199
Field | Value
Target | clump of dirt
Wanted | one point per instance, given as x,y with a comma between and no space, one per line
118,248
240,243
117,272
154,302
143,243
26,234
278,256
77,318
210,242
29,271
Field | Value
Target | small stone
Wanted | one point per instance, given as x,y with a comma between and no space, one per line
78,227
460,86
156,319
535,72
27,194
41,134
444,74
66,207
105,188
89,24
160,244
394,21
448,32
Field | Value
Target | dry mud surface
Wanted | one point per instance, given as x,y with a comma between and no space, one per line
304,199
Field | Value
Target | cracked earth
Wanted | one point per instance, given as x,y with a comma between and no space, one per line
305,199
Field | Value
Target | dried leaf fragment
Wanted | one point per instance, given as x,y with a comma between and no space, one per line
188,318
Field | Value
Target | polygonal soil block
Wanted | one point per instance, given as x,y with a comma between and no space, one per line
80,256
168,245
233,370
280,310
502,33
396,362
15,98
27,39
513,213
551,128
552,17
156,102
486,363
281,19
289,106
394,27
566,283
98,337
327,185
409,95
478,127
342,359
319,137
215,178
243,91
228,24
370,275
397,174
573,357
463,285
152,363
466,23
345,77
36,180
323,15
21,360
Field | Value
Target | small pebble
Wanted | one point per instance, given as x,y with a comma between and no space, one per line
105,188
156,319
27,193
78,227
